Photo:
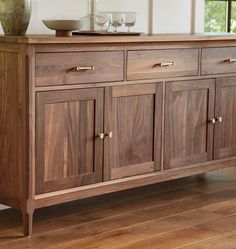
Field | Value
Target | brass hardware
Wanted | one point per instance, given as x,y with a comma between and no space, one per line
231,60
90,68
212,120
219,119
101,136
109,134
165,64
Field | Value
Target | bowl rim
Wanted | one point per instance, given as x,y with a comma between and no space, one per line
60,20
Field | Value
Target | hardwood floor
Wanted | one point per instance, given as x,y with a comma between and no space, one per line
195,212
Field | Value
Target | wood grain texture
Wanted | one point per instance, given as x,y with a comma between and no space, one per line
68,152
225,137
58,68
167,215
214,60
143,64
160,38
134,117
82,192
45,142
10,166
188,132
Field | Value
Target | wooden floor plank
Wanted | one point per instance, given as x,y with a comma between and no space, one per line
218,242
92,228
172,240
156,216
222,225
91,213
225,208
215,186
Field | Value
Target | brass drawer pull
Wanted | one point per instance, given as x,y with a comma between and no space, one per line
165,64
231,60
102,136
90,68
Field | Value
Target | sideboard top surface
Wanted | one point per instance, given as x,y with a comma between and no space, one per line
51,39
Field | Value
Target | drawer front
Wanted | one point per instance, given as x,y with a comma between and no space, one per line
151,64
79,67
218,60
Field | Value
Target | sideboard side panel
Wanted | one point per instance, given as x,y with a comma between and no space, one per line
11,136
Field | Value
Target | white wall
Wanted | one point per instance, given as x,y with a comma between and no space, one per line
172,16
178,16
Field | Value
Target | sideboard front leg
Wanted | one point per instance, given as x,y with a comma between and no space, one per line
28,223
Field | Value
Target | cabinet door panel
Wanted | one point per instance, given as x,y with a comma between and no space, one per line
188,132
68,154
225,133
133,114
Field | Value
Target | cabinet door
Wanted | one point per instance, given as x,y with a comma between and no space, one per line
134,116
225,131
188,132
68,154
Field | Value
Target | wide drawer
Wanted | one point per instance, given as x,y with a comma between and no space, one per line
218,60
79,67
151,64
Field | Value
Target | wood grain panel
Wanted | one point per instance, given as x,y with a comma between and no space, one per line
57,68
215,60
143,64
133,128
68,152
188,133
55,140
10,123
225,136
134,116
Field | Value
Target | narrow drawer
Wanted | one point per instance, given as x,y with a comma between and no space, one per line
151,64
218,60
79,67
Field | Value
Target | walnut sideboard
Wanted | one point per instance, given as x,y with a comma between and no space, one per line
85,116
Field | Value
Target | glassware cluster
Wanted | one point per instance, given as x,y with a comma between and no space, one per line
117,20
106,21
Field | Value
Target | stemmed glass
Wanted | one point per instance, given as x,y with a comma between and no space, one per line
102,19
130,20
117,20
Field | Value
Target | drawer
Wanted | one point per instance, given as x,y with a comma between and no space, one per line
151,64
79,67
218,60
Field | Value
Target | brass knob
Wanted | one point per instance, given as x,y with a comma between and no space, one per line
212,120
109,134
219,119
101,136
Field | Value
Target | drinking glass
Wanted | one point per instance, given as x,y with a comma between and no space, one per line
130,20
102,19
117,20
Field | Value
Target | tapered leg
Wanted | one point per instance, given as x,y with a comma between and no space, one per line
27,224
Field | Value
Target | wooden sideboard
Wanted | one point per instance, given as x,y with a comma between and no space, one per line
86,116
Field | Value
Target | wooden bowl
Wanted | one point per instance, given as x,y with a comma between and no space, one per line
63,27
